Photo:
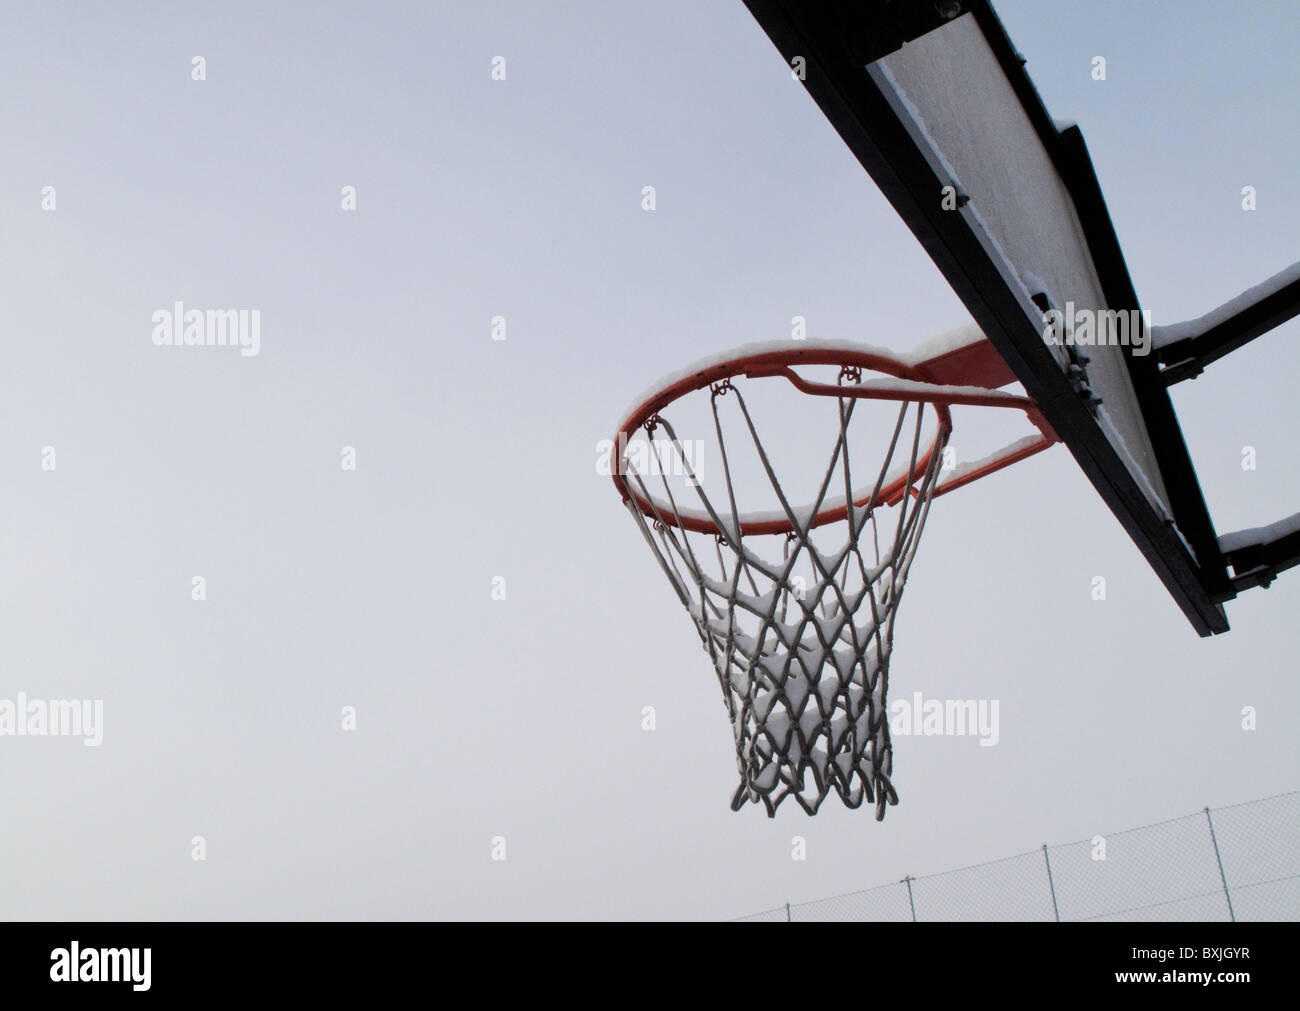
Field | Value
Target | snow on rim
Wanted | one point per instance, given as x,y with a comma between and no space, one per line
959,337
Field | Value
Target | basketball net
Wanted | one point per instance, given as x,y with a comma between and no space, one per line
800,634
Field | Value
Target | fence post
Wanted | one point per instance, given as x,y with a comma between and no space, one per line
1222,877
787,912
1051,884
908,881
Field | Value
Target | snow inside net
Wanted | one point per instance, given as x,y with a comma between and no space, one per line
800,625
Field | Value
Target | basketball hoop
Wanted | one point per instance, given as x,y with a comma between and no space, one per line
800,626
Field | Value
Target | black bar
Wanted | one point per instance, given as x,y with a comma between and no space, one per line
1172,456
1187,358
1257,564
535,965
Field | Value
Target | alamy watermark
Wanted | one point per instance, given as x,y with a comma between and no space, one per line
75,964
652,457
1075,327
25,717
181,327
922,717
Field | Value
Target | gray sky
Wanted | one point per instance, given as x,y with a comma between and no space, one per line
521,198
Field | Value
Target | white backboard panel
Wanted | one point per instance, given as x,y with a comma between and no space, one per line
954,94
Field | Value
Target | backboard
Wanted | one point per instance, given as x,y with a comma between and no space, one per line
934,101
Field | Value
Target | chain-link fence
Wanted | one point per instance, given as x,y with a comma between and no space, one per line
1231,863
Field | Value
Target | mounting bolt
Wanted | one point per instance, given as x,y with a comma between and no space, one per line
947,9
